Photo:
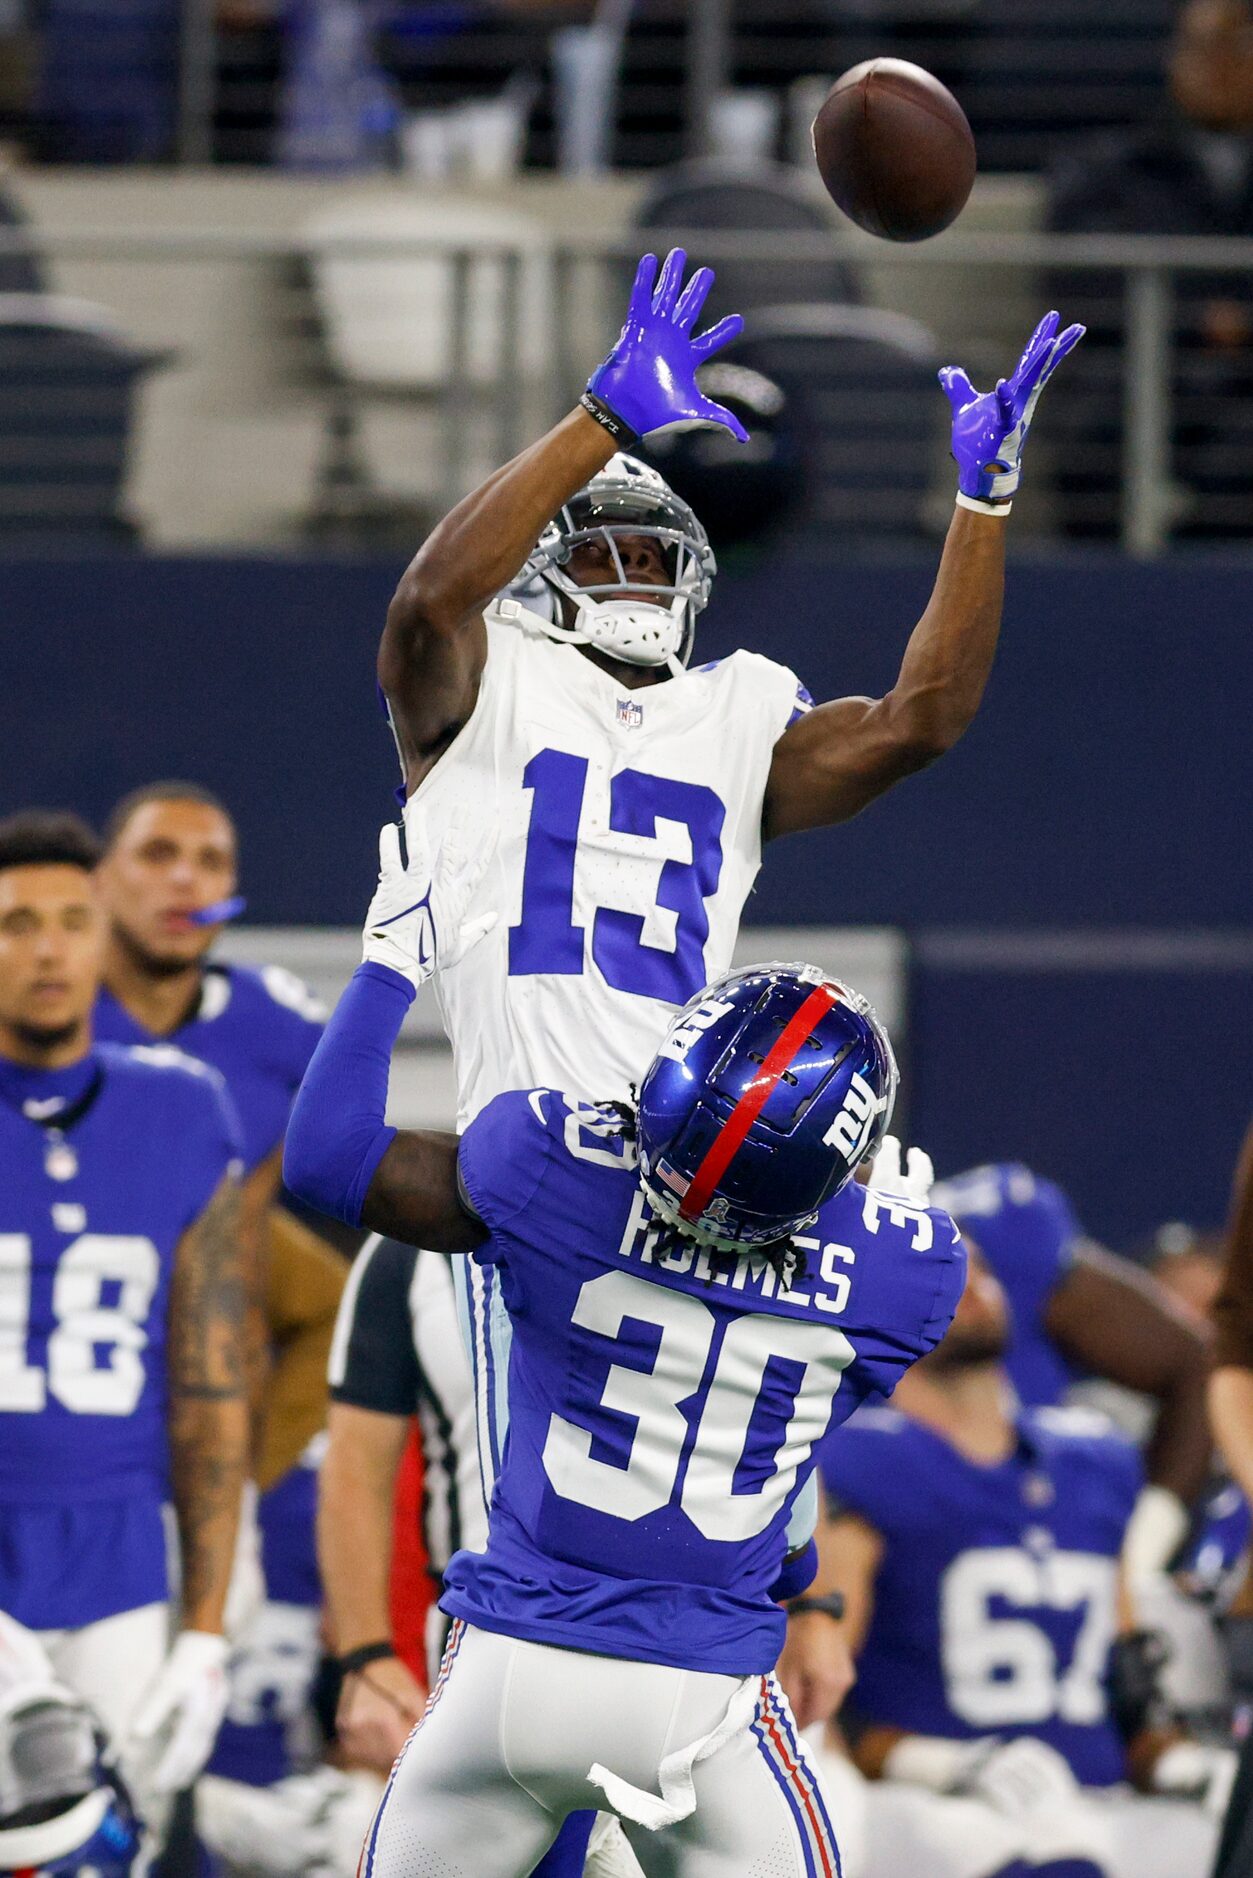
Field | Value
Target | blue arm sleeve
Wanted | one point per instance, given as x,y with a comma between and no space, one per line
337,1134
796,1574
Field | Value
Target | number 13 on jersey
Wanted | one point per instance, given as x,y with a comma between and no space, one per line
548,939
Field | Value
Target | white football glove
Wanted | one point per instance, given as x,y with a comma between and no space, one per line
912,1183
177,1721
1190,1770
1022,1777
417,918
305,1826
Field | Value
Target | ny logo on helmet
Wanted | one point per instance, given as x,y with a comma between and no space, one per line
849,1130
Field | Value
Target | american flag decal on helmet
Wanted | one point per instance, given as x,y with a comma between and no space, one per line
675,1182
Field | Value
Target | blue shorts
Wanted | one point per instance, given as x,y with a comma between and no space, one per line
65,1566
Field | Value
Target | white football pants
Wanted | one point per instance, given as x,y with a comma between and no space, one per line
514,1730
109,1664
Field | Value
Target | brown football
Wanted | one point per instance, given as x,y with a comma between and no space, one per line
895,150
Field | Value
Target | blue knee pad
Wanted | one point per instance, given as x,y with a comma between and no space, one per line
565,1856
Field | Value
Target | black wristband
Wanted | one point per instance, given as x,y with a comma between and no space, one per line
353,1660
617,427
831,1605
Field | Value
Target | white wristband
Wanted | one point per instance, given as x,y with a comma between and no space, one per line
931,1761
1157,1528
980,507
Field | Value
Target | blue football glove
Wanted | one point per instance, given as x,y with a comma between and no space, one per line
648,382
990,429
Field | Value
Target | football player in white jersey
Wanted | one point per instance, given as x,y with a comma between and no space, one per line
628,796
535,667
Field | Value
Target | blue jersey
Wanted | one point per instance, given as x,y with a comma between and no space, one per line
995,1600
270,1730
89,1221
1027,1232
665,1401
257,1028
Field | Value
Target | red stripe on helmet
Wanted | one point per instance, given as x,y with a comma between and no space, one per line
730,1138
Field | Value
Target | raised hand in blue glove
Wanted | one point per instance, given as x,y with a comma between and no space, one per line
648,382
990,428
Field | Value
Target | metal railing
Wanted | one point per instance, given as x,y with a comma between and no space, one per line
976,292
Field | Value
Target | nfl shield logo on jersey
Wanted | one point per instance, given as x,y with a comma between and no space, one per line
630,714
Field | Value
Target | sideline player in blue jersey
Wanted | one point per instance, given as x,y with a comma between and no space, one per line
697,1294
1078,1310
1002,1699
168,881
121,1377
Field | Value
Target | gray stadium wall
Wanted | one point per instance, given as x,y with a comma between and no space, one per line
1105,787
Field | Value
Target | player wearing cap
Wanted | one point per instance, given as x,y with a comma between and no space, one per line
697,1293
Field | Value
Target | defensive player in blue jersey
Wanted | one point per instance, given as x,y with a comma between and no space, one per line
1002,1699
697,1294
1077,1310
121,1383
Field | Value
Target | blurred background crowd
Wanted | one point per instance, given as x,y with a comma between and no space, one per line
163,156
281,279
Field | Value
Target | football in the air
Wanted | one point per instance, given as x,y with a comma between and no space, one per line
895,150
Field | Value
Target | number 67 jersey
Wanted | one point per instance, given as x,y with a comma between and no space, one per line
665,1400
627,835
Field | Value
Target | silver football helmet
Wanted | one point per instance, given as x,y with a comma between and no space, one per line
63,1805
627,497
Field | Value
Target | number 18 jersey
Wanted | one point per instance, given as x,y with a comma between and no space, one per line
627,831
666,1401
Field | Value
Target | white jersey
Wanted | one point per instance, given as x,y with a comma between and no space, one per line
628,831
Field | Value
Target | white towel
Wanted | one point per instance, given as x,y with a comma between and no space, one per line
674,1777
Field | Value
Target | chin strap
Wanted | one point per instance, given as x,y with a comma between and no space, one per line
515,613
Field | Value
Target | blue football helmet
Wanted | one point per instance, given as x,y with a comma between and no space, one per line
767,1091
63,1806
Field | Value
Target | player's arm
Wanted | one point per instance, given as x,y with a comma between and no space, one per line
434,644
380,1700
835,760
816,1667
851,1552
258,1192
1231,1385
1114,1321
341,1156
305,1281
208,1405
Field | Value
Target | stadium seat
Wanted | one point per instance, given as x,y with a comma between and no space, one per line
21,267
392,334
68,377
861,389
705,196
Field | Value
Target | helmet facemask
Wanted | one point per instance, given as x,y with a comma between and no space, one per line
639,623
